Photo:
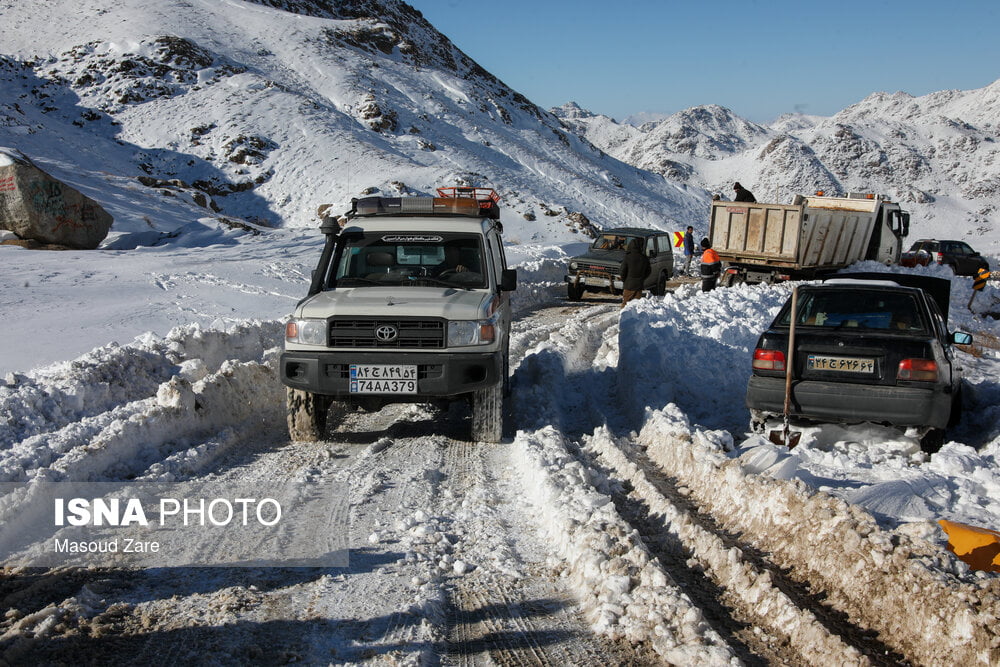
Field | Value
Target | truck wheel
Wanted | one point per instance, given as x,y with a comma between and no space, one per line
574,292
660,288
487,414
306,413
932,440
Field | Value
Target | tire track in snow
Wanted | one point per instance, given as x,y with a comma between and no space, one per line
508,609
759,594
790,628
907,590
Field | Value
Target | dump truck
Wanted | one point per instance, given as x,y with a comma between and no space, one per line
812,236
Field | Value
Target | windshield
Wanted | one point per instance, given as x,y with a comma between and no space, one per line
612,242
404,259
856,309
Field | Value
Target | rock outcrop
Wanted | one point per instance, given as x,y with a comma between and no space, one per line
34,205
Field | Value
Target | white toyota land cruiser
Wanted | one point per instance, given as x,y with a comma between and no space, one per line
410,303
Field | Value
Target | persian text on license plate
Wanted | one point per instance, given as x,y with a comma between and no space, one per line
383,379
841,364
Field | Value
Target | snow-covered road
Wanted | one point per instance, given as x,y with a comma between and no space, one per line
627,518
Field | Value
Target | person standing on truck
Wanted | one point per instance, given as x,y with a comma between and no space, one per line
688,250
711,266
742,194
634,270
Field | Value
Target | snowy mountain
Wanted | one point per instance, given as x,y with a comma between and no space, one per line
171,112
937,154
266,110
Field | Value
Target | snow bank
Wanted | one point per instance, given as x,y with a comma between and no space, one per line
116,411
916,595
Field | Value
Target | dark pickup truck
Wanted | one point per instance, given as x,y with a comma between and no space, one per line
597,270
869,347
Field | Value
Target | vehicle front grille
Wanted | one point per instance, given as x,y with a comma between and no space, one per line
413,334
595,270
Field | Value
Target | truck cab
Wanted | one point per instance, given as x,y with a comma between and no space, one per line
410,302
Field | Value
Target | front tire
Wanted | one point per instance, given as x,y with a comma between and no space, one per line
306,413
487,414
660,288
574,291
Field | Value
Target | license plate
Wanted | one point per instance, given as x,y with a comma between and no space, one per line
383,379
841,364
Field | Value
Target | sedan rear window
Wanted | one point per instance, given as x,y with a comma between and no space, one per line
856,309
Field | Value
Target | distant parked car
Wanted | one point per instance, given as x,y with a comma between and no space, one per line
868,348
597,270
959,255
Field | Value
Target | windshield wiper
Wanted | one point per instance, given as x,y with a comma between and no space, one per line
437,281
366,281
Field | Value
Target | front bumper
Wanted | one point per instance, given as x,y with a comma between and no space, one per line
438,374
845,402
595,282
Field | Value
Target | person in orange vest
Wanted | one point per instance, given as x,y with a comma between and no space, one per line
978,283
711,266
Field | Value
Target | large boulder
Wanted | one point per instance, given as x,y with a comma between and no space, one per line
36,206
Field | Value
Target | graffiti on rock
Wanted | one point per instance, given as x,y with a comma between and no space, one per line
47,199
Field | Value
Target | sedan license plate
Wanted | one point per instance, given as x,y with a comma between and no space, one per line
383,379
818,362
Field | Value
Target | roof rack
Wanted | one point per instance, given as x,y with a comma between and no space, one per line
454,201
479,194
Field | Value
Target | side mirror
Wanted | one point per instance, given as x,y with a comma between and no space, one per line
961,338
905,224
508,280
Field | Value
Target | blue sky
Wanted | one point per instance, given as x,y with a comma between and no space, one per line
758,58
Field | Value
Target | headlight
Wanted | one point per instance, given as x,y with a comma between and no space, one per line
306,332
573,266
462,333
483,331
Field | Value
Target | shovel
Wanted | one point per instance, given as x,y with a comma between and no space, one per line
786,436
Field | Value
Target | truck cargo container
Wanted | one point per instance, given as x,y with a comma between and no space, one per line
812,236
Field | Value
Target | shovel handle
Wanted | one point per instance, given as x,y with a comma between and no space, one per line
790,357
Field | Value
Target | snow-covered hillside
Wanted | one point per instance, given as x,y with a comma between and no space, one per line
274,108
937,154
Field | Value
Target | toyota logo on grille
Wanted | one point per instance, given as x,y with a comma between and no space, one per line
386,333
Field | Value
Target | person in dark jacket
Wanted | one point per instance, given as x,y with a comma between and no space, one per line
688,250
742,194
711,266
634,270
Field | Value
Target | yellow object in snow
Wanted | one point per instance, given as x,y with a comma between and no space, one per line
979,282
978,547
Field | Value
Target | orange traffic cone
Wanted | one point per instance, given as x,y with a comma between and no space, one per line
978,547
